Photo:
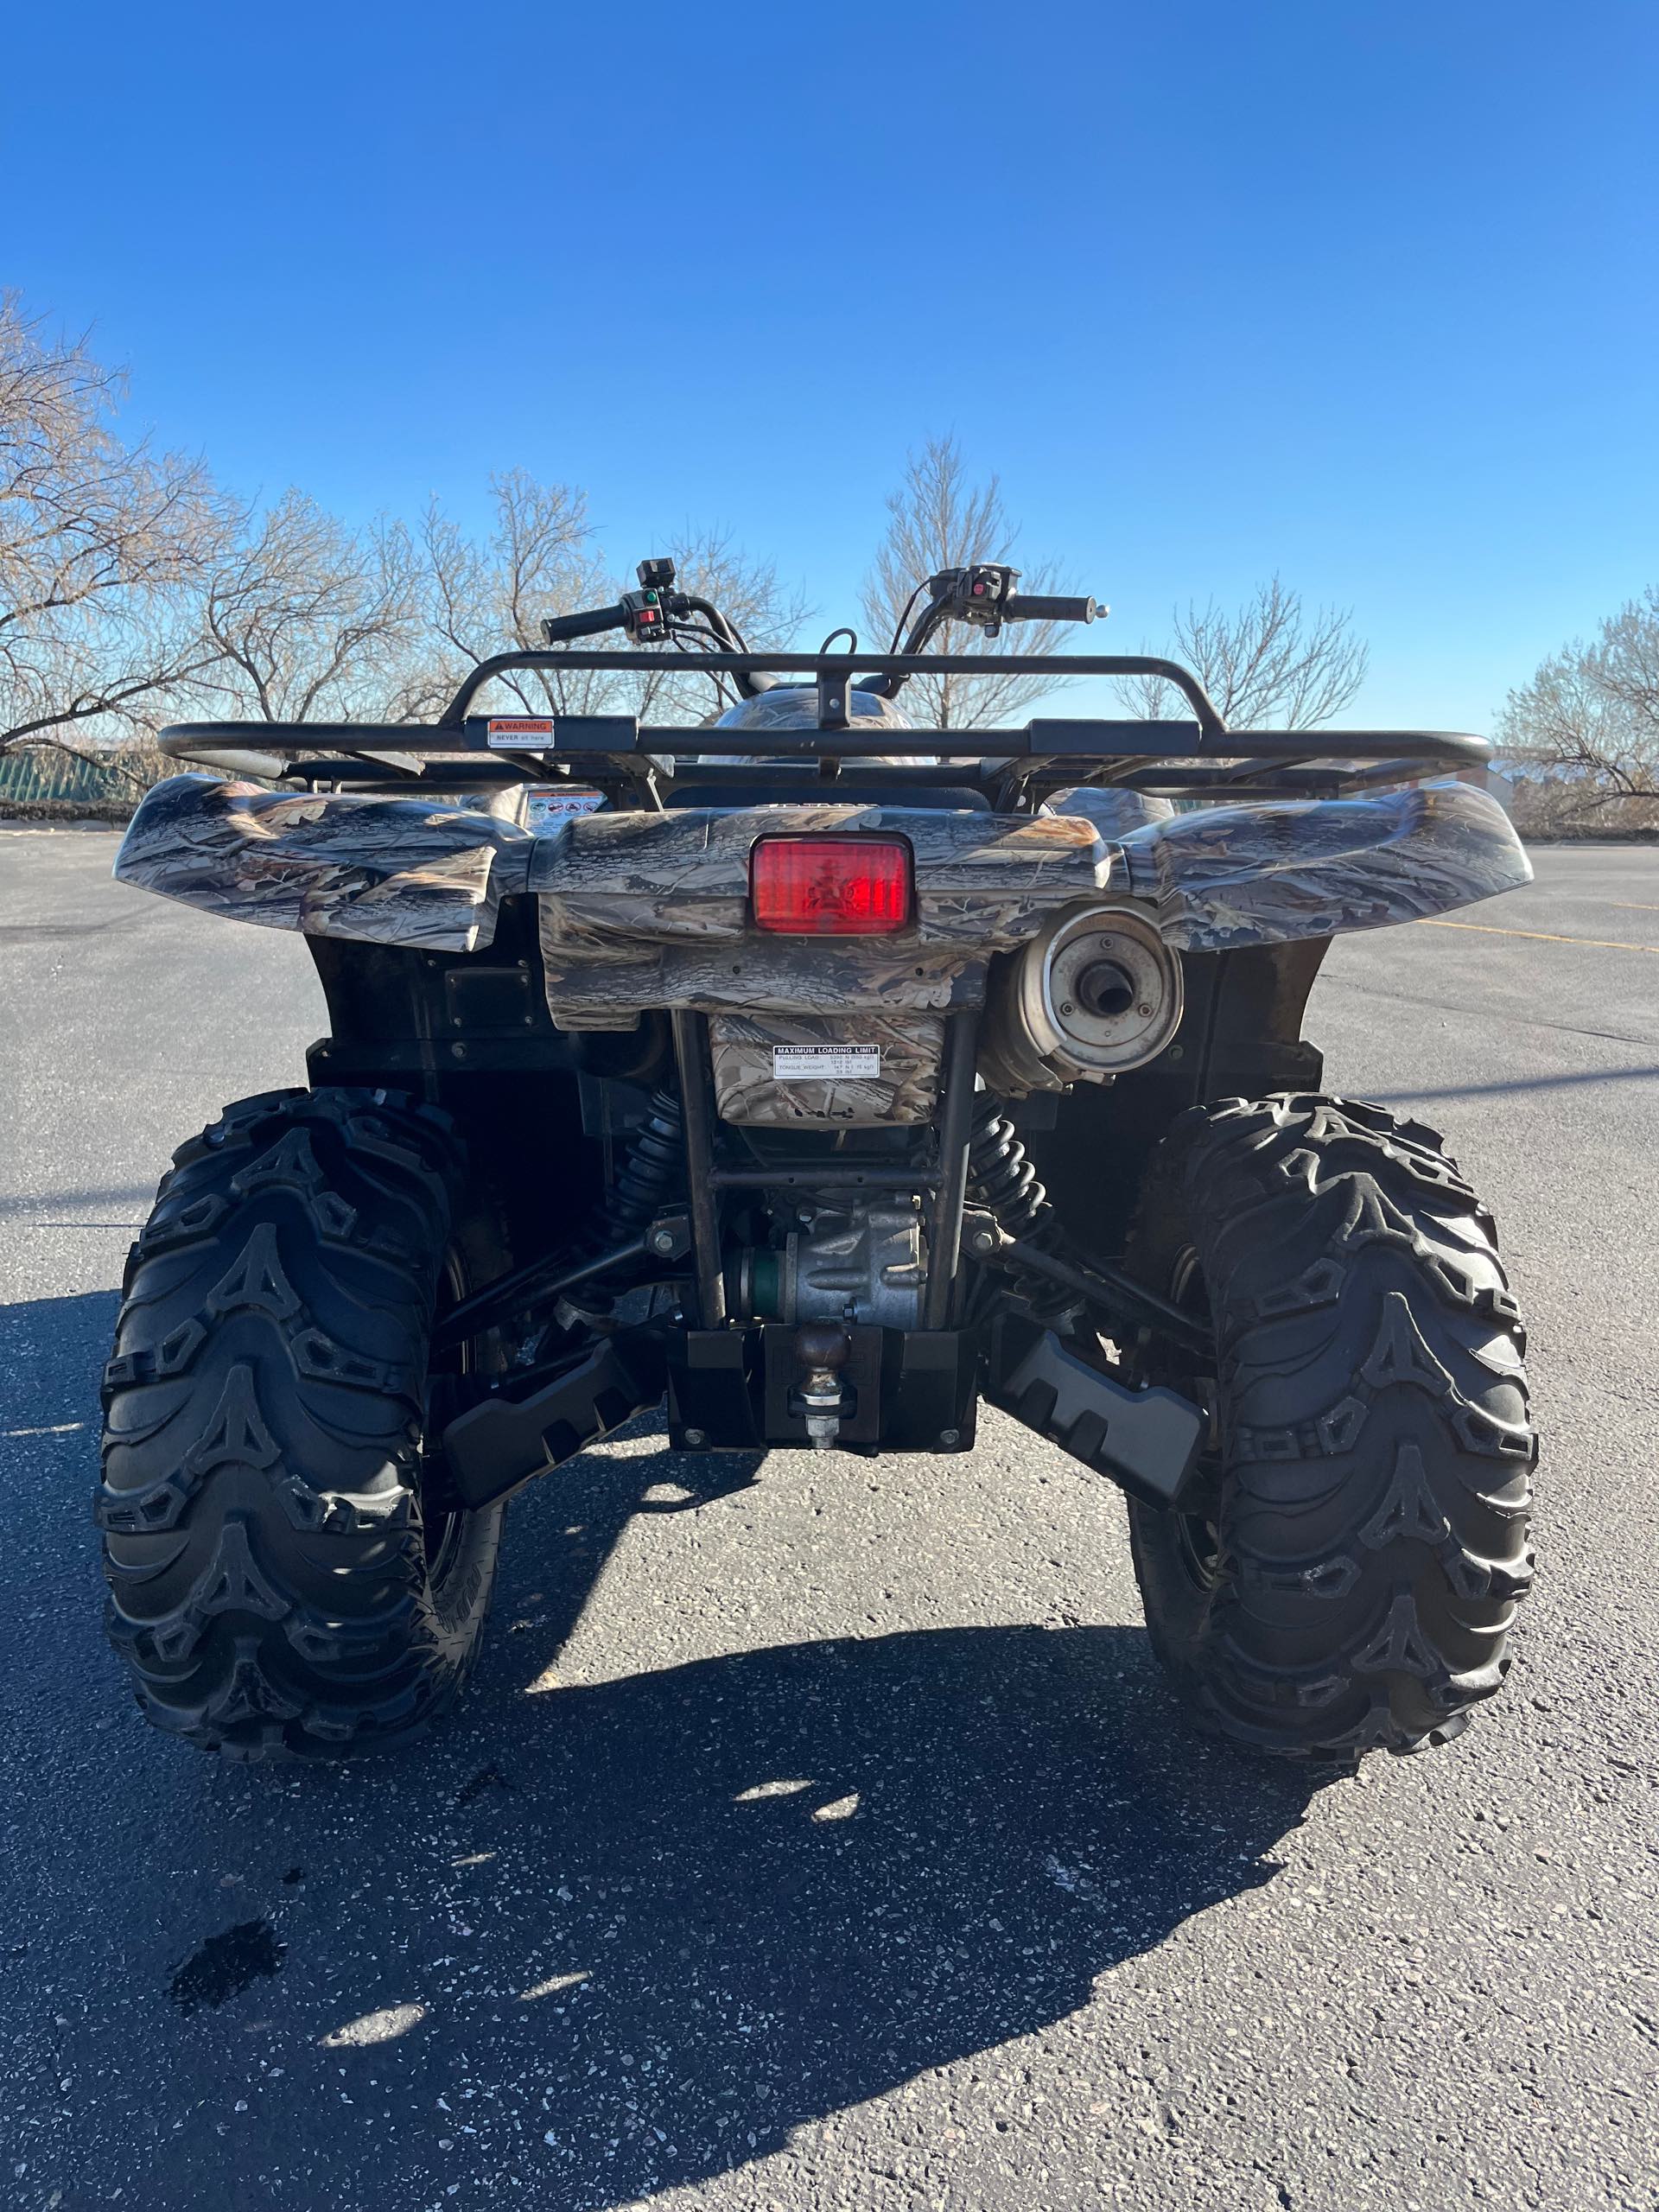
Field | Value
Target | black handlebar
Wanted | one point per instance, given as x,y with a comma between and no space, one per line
560,629
556,628
1015,606
1037,607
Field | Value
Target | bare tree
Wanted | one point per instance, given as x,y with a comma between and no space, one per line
937,520
479,597
1266,665
487,595
310,621
1590,715
103,546
132,588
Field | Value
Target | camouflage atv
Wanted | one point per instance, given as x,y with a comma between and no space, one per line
867,1073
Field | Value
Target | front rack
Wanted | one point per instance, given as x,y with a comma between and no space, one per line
1201,757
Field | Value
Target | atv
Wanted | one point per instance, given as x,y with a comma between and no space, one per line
866,1072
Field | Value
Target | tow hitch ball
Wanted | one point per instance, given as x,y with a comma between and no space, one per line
821,1396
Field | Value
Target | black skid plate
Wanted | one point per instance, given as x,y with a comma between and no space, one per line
910,1390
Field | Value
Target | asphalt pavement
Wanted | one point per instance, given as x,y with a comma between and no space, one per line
829,1840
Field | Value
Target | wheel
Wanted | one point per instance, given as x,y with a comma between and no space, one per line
1349,1571
287,1576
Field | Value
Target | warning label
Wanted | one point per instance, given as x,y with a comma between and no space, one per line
822,1063
521,732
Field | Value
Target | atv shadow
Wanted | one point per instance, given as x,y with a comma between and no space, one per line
594,1942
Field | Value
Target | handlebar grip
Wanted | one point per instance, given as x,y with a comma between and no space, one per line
556,628
1037,607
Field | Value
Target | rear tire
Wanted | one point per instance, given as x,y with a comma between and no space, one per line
286,1579
1352,1573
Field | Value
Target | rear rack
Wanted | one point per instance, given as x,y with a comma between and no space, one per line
1197,759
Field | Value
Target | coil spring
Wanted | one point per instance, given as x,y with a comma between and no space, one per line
1000,1175
653,1173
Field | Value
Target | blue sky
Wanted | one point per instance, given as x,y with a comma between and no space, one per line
1364,294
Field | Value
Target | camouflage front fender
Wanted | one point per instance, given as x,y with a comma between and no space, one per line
385,871
1270,873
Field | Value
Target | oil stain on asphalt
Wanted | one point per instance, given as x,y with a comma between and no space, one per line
225,1964
487,1777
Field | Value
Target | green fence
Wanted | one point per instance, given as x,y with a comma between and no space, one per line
46,776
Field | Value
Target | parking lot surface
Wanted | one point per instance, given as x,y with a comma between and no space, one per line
830,1839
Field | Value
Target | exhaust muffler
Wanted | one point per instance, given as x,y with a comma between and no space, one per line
1096,992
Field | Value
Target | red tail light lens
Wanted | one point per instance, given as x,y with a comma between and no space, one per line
830,886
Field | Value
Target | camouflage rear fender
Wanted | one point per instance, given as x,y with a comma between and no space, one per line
984,882
1271,873
652,910
385,871
640,910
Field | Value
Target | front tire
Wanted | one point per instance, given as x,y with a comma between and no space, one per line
1349,1575
286,1577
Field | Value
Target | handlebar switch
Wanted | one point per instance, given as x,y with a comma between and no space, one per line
976,594
985,586
645,614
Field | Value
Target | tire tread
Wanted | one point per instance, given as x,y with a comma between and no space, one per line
264,1543
1375,1432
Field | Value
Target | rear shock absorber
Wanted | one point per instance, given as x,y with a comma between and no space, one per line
1000,1175
652,1175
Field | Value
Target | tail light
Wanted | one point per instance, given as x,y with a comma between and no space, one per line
830,886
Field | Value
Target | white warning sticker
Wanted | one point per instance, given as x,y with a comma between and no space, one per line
544,807
520,732
822,1063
